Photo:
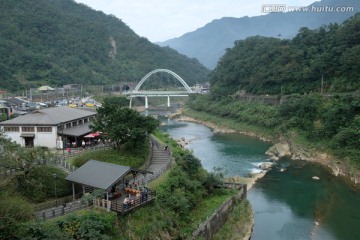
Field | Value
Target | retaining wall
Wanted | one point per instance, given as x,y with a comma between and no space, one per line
212,225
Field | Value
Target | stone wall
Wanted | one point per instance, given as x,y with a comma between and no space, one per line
212,225
263,99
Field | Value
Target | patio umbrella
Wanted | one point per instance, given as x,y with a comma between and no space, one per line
96,134
89,136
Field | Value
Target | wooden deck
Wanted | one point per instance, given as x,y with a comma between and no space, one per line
135,202
117,205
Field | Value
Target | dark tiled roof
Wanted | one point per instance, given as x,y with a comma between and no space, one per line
98,174
50,116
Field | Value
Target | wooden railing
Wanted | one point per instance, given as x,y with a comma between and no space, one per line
61,210
135,202
56,202
80,150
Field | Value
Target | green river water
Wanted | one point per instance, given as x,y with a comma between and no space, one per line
286,203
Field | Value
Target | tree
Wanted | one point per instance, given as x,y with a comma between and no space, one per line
122,124
14,209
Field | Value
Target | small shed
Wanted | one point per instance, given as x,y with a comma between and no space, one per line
101,175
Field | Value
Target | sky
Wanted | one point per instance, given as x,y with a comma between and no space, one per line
160,20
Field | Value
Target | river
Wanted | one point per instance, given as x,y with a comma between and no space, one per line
287,204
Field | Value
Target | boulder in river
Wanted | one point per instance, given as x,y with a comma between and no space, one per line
266,165
278,151
315,178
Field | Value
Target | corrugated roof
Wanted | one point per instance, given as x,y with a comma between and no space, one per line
77,131
50,116
98,174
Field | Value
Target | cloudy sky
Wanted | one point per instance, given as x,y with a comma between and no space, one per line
160,20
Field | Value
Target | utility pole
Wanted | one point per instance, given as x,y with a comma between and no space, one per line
55,177
322,84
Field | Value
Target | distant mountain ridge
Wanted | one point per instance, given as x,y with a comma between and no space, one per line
57,42
208,43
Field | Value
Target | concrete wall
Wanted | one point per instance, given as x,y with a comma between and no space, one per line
46,139
219,217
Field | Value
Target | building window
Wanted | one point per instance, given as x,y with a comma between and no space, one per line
80,122
86,120
74,124
11,129
44,129
28,129
68,125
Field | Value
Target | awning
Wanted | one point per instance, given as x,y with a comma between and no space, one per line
92,135
27,135
77,131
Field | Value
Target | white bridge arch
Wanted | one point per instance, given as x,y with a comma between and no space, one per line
147,76
146,94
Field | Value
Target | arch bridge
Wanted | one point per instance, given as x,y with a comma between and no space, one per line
138,93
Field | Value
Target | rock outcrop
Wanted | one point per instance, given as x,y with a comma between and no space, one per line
278,151
266,165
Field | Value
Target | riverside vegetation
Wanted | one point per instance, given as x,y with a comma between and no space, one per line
306,118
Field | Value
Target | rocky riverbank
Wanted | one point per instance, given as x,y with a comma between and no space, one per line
296,152
287,148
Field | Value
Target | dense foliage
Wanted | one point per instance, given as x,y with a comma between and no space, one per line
264,65
32,182
88,225
121,124
330,123
56,42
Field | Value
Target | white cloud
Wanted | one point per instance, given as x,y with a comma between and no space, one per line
159,20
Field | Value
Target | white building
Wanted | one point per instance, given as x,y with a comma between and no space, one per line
49,127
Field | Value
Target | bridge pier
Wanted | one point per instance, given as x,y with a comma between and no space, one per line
168,101
146,102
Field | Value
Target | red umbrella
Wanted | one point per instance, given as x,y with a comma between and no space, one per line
89,136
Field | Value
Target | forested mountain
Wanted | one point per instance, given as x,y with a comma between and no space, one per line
264,65
208,43
58,42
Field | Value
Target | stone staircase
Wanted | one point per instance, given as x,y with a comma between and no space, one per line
160,157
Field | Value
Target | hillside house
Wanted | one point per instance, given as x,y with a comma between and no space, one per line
49,127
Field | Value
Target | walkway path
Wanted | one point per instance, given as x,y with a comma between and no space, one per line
160,161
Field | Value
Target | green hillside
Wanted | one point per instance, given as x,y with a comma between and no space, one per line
59,42
264,65
329,122
221,33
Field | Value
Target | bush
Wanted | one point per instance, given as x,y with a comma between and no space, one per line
87,225
130,155
14,210
40,184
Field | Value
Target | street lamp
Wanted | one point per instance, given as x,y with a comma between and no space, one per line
63,139
55,176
